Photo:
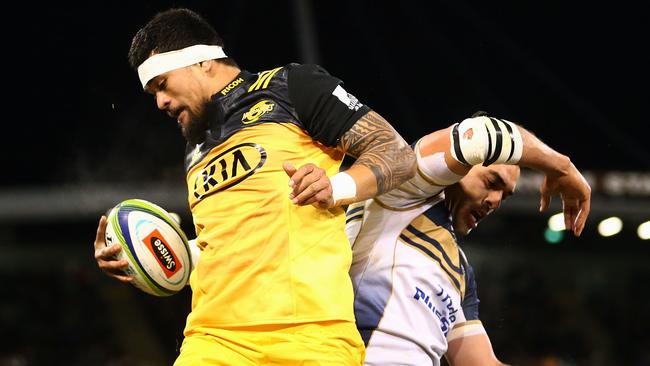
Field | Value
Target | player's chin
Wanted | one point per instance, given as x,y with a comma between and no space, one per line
194,130
464,226
464,231
193,136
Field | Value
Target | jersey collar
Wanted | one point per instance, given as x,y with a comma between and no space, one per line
233,85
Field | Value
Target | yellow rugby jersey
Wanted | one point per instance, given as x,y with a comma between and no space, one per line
265,260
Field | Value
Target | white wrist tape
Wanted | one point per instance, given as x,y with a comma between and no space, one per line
343,187
486,140
162,62
467,329
195,252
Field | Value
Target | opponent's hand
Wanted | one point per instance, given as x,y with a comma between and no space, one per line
106,256
311,186
575,194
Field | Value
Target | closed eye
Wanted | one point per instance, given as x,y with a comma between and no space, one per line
155,86
496,181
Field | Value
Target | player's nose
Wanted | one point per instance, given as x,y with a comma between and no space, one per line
162,100
493,199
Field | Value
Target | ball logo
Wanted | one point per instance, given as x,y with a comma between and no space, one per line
165,255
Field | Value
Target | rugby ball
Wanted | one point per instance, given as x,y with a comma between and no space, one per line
154,245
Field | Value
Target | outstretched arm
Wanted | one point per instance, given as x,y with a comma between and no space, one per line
476,141
562,178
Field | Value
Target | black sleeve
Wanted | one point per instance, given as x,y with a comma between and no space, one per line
325,109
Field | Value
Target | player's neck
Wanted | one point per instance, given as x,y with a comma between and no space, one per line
223,75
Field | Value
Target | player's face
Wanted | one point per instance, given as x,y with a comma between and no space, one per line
479,193
184,95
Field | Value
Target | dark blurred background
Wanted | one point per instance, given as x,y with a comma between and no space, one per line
80,136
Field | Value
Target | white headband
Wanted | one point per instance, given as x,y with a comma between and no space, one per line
162,62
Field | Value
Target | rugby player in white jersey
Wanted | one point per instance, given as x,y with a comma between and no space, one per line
415,295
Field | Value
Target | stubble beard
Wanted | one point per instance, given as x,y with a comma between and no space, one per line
195,131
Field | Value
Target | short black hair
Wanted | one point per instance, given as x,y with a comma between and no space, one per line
171,30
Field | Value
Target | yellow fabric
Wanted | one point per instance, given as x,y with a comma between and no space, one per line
265,260
328,343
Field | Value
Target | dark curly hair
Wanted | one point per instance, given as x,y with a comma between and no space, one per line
171,30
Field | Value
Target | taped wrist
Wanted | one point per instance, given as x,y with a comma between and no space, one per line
486,140
195,253
467,329
343,187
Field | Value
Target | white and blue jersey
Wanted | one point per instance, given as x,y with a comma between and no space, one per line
413,285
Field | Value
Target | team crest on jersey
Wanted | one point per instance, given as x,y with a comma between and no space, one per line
229,168
257,111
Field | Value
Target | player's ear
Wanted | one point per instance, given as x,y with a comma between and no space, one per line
206,65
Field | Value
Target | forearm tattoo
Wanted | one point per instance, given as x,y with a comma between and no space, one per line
376,145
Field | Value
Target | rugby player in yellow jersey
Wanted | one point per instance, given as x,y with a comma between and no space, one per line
272,285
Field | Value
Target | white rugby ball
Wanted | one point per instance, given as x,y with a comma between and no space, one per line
154,245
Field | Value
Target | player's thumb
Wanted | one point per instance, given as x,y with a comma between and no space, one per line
289,169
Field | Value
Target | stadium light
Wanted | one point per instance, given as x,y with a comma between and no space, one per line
644,230
610,226
556,222
553,236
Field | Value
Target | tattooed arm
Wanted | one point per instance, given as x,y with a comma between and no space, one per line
384,159
383,162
